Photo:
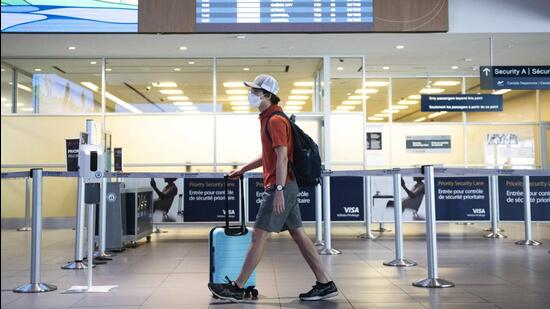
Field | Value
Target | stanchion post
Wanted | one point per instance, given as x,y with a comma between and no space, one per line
399,260
79,230
433,281
26,227
327,249
528,241
493,189
367,202
36,286
319,216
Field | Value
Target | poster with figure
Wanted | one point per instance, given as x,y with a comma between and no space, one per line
456,199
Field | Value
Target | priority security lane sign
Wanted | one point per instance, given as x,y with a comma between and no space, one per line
514,77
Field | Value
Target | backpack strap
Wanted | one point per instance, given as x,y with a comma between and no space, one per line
268,119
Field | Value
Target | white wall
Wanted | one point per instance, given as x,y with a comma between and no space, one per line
499,16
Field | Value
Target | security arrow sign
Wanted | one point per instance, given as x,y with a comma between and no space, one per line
486,71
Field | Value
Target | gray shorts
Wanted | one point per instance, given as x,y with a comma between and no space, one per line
288,220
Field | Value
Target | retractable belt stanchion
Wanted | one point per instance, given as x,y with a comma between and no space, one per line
327,249
36,286
26,227
399,260
433,281
493,182
367,202
79,230
319,216
102,224
528,241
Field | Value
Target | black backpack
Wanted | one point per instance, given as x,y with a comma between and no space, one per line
306,164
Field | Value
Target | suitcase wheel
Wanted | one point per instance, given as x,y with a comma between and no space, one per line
251,292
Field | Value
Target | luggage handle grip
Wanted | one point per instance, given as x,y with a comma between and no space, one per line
228,230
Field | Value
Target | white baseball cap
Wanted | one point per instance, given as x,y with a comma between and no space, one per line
265,82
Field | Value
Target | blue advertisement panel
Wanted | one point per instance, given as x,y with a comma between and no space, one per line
306,200
205,200
346,199
510,190
461,103
462,199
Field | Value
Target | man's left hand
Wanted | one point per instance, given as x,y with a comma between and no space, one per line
279,203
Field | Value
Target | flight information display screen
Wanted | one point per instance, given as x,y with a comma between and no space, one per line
284,15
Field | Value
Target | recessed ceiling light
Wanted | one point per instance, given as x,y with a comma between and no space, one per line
234,85
502,91
93,62
434,115
177,69
431,90
303,84
294,108
420,119
385,68
301,91
295,102
236,91
414,97
3,70
298,97
23,87
408,102
345,107
340,68
171,91
240,108
367,91
467,59
358,97
183,47
444,83
165,84
191,62
27,109
239,103
38,70
246,69
178,98
375,118
187,108
399,46
351,102
381,115
454,67
238,98
376,83
241,37
108,69
399,106
71,47
393,111
90,85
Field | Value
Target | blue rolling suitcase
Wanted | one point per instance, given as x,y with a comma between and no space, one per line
228,247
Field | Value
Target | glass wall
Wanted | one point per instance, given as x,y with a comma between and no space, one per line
64,87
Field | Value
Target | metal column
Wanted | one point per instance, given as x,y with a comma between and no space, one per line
36,286
399,260
433,281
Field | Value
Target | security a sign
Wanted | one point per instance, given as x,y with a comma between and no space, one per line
514,77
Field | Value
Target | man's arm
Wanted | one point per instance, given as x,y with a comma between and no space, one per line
254,164
281,174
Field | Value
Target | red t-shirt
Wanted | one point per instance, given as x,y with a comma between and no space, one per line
281,135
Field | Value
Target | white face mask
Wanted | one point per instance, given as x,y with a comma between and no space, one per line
254,100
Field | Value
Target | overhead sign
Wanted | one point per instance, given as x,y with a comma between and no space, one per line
428,143
284,16
461,103
515,77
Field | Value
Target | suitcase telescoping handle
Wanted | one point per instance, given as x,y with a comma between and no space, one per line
242,228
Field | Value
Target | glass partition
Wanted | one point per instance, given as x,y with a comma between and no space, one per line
545,105
7,89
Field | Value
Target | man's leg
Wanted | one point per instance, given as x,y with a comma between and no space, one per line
254,255
309,252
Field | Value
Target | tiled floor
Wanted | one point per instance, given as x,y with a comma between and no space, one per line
172,271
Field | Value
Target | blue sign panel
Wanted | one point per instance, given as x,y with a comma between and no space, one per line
205,200
346,199
306,200
461,103
462,199
510,190
70,16
515,77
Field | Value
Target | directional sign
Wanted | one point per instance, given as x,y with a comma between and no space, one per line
515,77
461,103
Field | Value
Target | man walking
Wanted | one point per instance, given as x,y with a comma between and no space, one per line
279,209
